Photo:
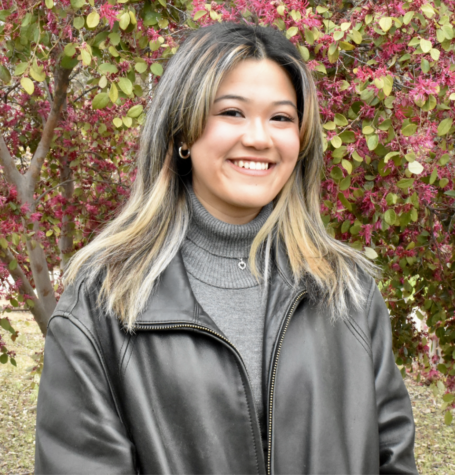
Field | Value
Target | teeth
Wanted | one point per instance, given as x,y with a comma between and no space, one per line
250,165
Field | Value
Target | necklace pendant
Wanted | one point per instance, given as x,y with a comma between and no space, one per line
242,264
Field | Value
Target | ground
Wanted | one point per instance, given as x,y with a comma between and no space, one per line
434,448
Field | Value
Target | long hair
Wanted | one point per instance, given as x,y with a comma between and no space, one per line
135,248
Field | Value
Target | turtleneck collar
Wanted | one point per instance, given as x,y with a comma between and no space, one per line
220,238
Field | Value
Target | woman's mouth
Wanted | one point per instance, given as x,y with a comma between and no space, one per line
252,165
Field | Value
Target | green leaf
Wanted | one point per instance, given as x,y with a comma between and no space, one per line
4,358
371,253
357,157
444,126
405,183
345,226
336,173
126,86
5,75
448,31
390,216
435,53
372,141
77,4
408,17
345,183
78,22
30,303
69,49
329,126
135,111
304,52
28,85
86,57
156,69
93,19
291,32
100,101
49,4
356,36
444,159
113,93
450,193
3,243
367,130
344,202
427,10
20,69
415,167
347,165
347,136
12,265
448,417
107,68
341,120
199,14
141,67
443,182
409,130
114,38
390,155
434,175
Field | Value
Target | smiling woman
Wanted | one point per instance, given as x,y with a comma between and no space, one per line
214,327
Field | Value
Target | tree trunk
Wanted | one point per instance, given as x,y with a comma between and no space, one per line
65,243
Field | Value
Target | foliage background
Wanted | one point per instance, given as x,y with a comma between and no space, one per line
75,79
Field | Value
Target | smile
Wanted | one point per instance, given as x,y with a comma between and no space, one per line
250,165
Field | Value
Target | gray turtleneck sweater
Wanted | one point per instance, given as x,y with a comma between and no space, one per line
230,295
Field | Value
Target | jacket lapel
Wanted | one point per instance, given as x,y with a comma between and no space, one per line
173,300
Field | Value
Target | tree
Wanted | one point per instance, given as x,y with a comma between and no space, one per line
76,75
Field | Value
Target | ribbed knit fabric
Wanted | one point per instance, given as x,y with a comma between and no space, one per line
231,296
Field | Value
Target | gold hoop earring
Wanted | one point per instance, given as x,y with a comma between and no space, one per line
188,153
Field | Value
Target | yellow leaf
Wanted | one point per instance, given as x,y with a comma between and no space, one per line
345,26
356,36
291,32
388,85
344,45
124,20
113,93
128,121
280,10
86,58
132,17
425,45
117,122
102,83
113,52
28,85
385,23
93,19
199,14
336,141
379,83
435,53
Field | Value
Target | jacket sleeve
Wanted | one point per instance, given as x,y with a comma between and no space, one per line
78,429
396,423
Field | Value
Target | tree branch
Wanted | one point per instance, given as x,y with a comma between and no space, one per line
25,288
61,86
12,174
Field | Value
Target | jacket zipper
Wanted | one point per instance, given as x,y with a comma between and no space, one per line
151,326
272,384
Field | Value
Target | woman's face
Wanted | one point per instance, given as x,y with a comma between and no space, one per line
250,144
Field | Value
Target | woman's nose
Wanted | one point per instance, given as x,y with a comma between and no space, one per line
257,135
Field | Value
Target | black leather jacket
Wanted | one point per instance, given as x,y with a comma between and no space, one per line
174,398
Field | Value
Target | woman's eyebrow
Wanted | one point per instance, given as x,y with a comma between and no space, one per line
244,99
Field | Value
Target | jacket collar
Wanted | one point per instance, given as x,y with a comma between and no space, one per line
173,301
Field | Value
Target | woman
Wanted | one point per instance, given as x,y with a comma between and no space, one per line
214,326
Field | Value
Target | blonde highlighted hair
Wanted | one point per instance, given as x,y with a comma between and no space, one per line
135,248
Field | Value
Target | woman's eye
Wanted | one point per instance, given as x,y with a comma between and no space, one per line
232,113
282,118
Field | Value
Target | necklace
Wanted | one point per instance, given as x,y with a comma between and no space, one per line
242,263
